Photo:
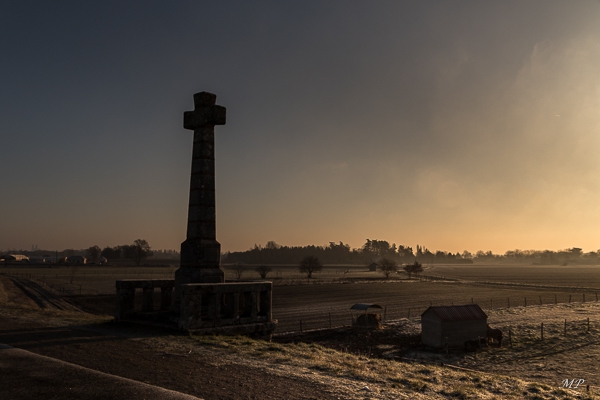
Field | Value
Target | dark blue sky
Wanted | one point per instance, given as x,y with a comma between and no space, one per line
456,125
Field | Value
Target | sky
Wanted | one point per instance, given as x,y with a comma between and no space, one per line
455,125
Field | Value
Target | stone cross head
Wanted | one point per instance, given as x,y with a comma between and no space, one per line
205,113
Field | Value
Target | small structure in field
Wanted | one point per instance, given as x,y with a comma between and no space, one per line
76,260
452,326
15,258
366,320
372,267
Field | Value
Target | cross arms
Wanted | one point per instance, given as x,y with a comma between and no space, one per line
205,113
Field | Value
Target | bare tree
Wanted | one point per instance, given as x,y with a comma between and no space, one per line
238,270
310,265
387,266
138,251
93,253
415,268
263,271
73,269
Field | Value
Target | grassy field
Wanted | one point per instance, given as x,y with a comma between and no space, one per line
549,275
299,303
529,360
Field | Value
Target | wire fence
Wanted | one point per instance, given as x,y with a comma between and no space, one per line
299,319
337,318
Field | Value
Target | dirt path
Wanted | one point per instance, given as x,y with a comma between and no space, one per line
40,296
139,354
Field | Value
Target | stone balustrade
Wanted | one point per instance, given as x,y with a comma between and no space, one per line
233,307
209,305
126,295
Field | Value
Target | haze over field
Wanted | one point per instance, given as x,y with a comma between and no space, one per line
456,125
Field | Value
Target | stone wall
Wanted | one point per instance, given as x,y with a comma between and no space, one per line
238,307
126,289
209,305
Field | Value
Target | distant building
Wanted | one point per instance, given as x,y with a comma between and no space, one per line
15,258
452,325
76,260
373,266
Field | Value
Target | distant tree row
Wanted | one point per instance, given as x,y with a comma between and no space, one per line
341,253
137,252
375,250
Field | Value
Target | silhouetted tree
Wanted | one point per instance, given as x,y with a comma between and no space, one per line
263,271
310,265
138,251
93,253
387,266
414,268
238,270
111,253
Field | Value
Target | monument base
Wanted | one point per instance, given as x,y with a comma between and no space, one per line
226,308
187,275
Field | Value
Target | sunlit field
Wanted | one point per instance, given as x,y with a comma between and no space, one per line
325,300
551,275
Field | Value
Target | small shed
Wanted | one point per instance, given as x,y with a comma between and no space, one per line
372,267
452,325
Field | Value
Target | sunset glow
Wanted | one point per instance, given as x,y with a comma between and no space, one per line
454,125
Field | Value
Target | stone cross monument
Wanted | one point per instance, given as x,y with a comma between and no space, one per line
200,253
203,302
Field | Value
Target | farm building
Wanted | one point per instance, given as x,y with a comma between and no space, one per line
452,325
15,258
77,260
373,266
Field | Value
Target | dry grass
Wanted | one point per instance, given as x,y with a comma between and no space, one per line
361,377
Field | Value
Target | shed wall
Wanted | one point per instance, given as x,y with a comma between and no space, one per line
458,332
434,331
431,330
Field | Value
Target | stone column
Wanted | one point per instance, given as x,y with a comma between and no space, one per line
200,252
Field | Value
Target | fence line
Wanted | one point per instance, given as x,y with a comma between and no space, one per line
336,318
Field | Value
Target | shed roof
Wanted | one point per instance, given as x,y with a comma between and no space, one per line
364,306
457,313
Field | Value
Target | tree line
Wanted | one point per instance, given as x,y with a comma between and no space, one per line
374,250
137,252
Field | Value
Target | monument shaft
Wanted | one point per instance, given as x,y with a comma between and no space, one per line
200,253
